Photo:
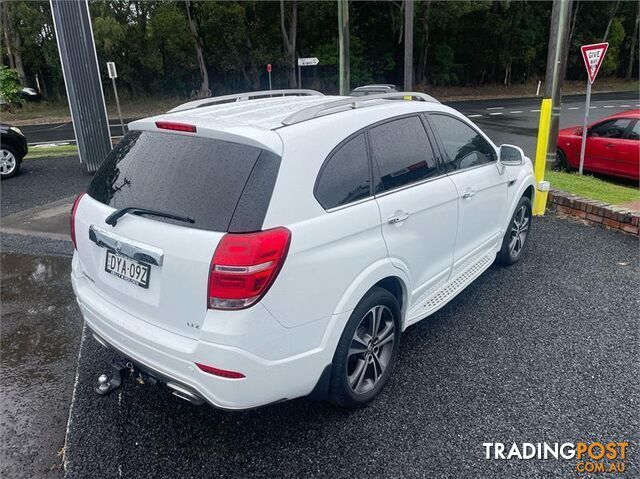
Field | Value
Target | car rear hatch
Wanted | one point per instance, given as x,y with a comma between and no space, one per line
157,268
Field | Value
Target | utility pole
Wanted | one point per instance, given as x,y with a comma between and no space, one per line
408,45
551,103
343,43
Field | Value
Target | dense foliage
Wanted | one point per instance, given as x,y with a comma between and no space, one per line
455,43
9,85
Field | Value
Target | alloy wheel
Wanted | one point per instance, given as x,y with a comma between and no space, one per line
519,231
371,349
7,162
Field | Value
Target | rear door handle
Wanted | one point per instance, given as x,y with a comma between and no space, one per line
469,193
398,217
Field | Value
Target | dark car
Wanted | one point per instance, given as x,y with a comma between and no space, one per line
14,148
373,89
30,94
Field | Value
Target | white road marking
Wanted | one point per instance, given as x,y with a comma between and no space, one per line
516,111
65,448
593,107
45,145
608,106
638,105
534,111
473,116
574,108
62,142
625,106
493,114
496,108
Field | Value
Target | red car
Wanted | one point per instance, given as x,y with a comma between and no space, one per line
613,146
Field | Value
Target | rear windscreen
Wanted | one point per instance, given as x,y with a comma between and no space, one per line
200,178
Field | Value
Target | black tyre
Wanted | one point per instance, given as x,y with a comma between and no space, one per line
9,162
561,161
367,351
517,233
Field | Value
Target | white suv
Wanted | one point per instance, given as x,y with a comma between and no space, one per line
250,249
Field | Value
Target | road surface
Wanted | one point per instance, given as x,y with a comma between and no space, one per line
504,120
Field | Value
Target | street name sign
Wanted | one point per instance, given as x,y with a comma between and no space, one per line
593,56
308,62
111,68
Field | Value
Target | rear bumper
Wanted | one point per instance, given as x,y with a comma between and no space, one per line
171,357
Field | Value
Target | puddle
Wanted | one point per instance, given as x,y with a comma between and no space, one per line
41,328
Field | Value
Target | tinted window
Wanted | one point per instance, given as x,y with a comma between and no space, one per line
611,128
201,178
402,152
344,178
463,146
634,134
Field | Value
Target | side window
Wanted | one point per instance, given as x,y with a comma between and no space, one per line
345,178
463,146
402,152
634,134
611,128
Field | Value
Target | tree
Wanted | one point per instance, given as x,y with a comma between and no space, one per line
614,10
9,85
290,37
408,45
632,50
204,90
12,39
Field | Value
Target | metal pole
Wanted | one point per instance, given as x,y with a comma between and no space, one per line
269,81
408,45
558,37
343,47
299,74
551,102
584,126
115,90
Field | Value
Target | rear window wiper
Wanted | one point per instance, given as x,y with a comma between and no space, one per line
113,218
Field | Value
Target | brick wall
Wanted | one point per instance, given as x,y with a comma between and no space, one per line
594,211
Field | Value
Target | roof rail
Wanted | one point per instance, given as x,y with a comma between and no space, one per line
354,102
241,97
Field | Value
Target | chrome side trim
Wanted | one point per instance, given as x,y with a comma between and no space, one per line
126,247
347,205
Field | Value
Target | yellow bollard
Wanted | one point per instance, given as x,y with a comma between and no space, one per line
540,201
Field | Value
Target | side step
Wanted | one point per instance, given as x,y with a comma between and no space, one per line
451,288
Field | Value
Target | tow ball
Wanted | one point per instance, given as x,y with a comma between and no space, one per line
120,370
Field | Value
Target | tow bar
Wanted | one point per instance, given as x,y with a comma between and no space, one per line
118,369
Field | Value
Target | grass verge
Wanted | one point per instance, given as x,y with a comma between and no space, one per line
51,151
592,188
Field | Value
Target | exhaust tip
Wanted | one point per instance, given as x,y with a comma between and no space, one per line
101,341
185,394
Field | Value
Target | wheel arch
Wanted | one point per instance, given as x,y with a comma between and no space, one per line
380,274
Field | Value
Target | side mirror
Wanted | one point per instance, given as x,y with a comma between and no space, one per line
511,155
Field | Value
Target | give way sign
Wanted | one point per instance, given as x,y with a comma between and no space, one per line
593,56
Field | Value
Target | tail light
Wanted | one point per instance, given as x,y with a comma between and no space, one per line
73,219
223,373
244,266
171,125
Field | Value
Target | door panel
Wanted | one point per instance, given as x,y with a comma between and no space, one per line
418,203
482,189
606,151
423,241
482,194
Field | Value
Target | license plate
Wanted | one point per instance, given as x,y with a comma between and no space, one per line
127,269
